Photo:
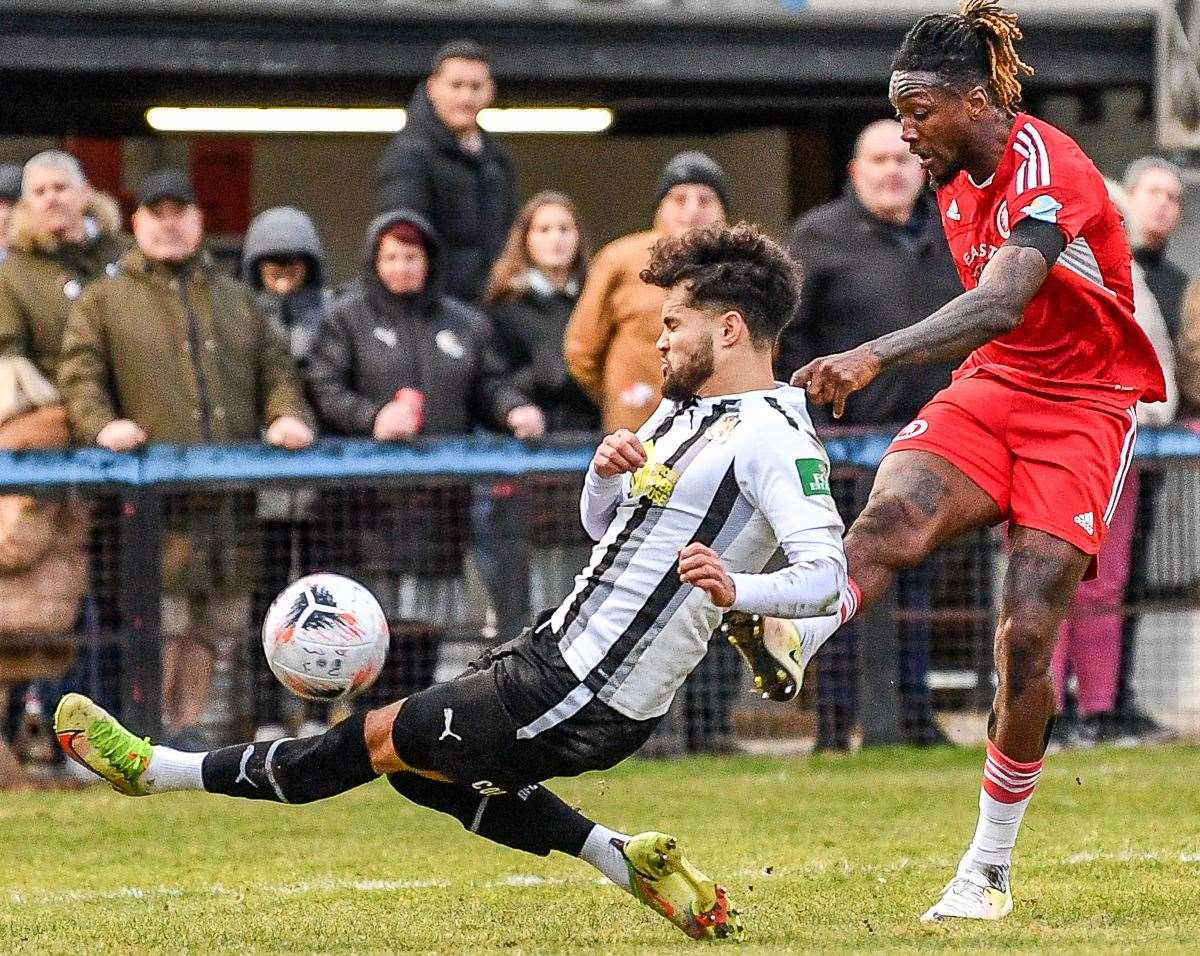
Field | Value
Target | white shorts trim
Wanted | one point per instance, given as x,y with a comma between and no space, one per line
1126,460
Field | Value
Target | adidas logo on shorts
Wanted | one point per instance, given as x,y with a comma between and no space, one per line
1086,522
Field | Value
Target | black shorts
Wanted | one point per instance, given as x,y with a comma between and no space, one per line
467,728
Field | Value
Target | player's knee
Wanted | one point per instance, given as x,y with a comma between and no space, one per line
1023,652
379,729
891,531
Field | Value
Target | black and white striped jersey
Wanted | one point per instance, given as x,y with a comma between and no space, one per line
744,474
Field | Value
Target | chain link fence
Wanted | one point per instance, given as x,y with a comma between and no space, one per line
463,541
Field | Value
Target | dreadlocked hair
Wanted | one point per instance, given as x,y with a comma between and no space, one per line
975,43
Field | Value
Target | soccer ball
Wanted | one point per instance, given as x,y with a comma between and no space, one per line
325,637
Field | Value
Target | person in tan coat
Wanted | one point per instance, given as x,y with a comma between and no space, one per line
63,235
610,351
609,341
43,558
172,350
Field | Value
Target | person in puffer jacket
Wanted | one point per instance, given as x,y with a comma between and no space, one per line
396,329
397,359
43,558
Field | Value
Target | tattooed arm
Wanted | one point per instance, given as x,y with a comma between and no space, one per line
972,319
966,322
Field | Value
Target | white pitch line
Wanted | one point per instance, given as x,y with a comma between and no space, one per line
523,880
216,889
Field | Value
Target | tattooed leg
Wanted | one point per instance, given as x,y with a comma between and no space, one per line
1043,573
918,502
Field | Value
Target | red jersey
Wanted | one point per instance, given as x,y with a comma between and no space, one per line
1077,336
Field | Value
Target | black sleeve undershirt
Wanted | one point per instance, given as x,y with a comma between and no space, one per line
1045,237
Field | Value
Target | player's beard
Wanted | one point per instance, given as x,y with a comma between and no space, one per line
682,381
939,182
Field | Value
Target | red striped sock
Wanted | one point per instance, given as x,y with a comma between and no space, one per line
1003,799
851,598
1006,780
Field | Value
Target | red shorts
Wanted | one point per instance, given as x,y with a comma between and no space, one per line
1054,465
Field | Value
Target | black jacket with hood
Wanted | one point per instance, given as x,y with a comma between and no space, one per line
282,233
863,278
470,199
374,343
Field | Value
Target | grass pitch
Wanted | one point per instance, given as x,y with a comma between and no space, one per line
823,855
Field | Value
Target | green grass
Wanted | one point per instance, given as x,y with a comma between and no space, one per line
827,854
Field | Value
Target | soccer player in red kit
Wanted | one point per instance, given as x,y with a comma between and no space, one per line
1037,426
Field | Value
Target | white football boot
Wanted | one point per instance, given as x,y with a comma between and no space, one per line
978,891
774,650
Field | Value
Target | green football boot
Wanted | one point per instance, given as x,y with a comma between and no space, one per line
664,880
91,736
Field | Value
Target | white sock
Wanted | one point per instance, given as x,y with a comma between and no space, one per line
599,851
174,770
1007,789
996,832
815,631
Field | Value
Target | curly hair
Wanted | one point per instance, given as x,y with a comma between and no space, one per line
731,267
969,46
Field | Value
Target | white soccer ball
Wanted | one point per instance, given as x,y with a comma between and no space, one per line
325,637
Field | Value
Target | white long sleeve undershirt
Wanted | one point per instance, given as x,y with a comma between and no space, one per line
808,587
598,503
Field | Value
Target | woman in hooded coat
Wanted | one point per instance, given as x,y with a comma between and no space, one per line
397,359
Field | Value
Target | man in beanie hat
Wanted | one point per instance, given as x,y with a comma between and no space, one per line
692,167
610,350
610,338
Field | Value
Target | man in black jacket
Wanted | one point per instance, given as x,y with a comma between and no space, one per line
874,261
1155,188
447,169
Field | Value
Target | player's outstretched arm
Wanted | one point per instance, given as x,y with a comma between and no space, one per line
620,452
966,322
784,474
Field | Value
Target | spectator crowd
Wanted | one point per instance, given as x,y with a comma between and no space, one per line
471,312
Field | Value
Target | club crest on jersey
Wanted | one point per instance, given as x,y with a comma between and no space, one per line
654,481
723,427
1002,226
918,426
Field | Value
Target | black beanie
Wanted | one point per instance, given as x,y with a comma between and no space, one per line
693,167
10,182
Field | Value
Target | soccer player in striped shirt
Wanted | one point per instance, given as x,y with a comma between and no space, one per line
687,513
